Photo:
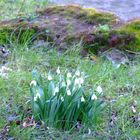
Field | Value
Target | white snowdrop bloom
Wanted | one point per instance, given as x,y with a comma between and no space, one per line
81,80
37,96
56,90
68,92
76,82
94,97
99,89
58,70
68,82
33,83
69,75
62,98
49,77
77,73
63,84
82,99
79,86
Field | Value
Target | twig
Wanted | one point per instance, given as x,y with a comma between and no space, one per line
137,53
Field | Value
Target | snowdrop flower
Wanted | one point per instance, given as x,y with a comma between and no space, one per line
68,92
49,77
68,82
93,97
63,84
62,98
33,83
79,81
99,89
56,90
82,99
76,81
37,96
77,73
69,75
58,71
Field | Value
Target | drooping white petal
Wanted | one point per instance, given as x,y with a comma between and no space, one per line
56,90
76,82
49,77
68,82
58,70
33,83
77,73
82,99
37,96
69,75
68,92
94,97
62,98
63,84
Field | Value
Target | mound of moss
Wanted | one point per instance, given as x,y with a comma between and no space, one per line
65,25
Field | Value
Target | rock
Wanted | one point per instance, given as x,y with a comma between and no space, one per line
11,118
40,43
117,57
4,54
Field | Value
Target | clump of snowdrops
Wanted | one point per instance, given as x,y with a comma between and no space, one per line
59,100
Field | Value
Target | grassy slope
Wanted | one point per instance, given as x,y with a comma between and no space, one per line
120,86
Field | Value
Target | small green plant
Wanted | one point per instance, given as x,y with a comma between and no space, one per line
103,28
60,101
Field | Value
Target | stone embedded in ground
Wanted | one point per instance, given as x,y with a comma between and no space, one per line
117,57
4,54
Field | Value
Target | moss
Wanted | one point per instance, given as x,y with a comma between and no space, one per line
132,28
88,15
94,17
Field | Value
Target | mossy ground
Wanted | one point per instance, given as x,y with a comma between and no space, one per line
133,28
120,93
67,25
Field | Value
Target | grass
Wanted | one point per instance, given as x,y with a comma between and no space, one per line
20,8
121,93
120,86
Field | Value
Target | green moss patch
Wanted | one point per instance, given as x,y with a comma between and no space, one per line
132,28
